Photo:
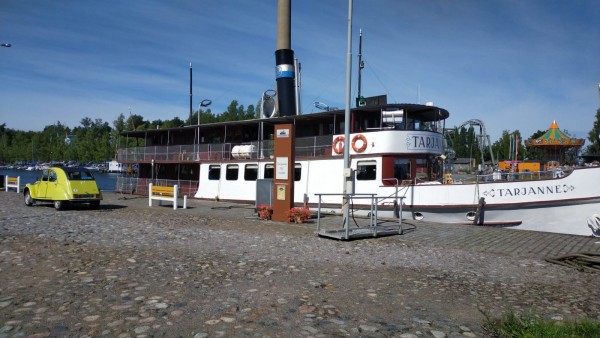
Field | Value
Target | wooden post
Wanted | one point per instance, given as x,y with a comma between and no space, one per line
283,183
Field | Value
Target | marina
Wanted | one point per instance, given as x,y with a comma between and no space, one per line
106,181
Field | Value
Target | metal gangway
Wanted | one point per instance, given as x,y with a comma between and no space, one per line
375,227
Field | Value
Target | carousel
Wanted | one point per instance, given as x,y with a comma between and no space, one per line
555,144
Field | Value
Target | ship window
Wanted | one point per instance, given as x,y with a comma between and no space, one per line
402,169
251,172
417,124
231,174
422,169
188,172
297,172
366,170
269,171
393,119
214,172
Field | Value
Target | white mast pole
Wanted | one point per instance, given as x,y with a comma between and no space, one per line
347,171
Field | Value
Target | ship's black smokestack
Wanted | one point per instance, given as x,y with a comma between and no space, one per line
284,60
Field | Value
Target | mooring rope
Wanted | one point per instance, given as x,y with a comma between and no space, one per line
583,261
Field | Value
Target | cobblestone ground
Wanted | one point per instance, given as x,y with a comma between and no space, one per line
214,270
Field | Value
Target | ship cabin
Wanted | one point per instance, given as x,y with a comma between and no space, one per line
406,139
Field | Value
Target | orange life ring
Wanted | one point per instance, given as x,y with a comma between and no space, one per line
364,143
338,144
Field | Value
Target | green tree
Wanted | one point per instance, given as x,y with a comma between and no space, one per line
205,117
136,122
53,147
502,147
93,139
251,113
174,123
4,143
535,153
594,137
116,140
231,114
465,143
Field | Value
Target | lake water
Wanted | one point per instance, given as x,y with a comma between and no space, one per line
106,181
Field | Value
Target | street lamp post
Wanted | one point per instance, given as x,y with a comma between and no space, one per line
152,164
203,103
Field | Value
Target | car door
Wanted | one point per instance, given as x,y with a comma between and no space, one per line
52,187
42,189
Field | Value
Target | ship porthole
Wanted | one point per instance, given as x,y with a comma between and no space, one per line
418,216
471,215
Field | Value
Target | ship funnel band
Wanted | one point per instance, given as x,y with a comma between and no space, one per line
284,71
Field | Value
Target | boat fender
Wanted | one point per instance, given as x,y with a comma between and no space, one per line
594,224
364,143
480,213
338,144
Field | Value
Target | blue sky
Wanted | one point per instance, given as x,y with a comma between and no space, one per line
512,64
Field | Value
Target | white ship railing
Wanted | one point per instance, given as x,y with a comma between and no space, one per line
305,147
521,176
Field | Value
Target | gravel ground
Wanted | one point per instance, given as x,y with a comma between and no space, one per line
214,270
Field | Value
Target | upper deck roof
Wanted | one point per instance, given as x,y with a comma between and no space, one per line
424,113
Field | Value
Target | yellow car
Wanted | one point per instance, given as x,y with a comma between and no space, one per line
63,186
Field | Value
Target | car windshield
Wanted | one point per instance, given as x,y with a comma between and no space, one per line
81,175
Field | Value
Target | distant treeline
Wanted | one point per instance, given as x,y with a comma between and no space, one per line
96,141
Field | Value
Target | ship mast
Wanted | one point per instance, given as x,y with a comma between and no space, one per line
361,65
347,170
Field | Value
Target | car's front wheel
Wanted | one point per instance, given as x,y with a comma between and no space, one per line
28,199
58,205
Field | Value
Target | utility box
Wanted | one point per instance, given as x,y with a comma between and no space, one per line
264,192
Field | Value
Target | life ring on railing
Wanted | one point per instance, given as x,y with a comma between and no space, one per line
338,144
364,143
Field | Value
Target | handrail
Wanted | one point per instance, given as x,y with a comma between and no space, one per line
307,146
523,176
373,212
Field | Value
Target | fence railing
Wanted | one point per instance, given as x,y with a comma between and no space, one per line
523,176
307,146
139,186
